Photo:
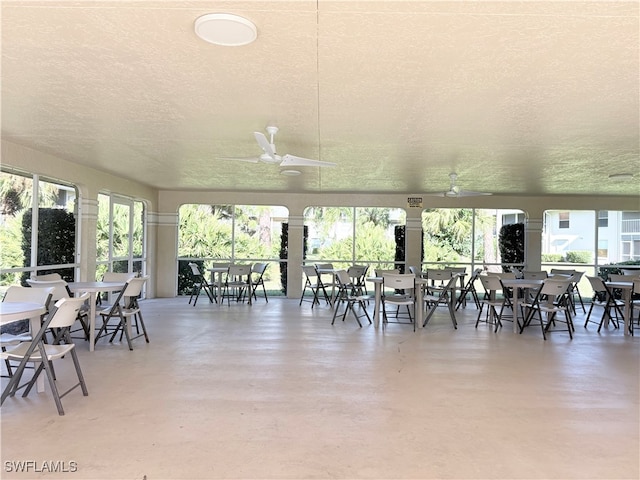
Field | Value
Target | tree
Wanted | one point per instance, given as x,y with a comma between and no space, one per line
447,234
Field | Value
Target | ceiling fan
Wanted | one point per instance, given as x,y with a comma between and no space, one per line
456,191
270,156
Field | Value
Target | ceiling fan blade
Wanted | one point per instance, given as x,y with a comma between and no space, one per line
457,193
241,159
261,138
468,193
293,161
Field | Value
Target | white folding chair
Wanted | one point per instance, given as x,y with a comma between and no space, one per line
442,297
604,297
257,279
495,301
551,300
200,283
126,311
20,331
61,317
237,285
349,295
61,290
311,283
398,290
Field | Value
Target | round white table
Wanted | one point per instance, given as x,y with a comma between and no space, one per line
16,311
626,288
93,288
515,284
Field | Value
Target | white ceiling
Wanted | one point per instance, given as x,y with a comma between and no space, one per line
532,97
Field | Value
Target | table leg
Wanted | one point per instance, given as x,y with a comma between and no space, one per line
626,314
92,320
376,306
220,297
514,304
419,307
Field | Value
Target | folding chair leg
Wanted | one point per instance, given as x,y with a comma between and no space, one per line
52,384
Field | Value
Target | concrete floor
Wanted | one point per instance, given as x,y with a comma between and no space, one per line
273,391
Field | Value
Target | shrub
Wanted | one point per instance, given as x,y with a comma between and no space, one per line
511,244
579,256
552,257
56,240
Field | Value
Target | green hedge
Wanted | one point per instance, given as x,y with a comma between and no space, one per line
56,240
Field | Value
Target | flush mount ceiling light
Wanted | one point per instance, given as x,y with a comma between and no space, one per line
290,173
225,29
620,177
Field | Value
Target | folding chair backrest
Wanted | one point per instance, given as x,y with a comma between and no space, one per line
553,287
310,272
382,273
357,271
400,281
259,268
48,276
344,279
616,277
629,271
239,270
597,284
439,275
456,269
60,288
65,311
576,277
117,276
133,288
491,283
41,296
324,266
534,275
195,270
562,271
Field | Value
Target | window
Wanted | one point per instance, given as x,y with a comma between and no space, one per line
603,251
563,220
510,218
604,237
40,239
353,235
465,237
603,219
120,232
233,234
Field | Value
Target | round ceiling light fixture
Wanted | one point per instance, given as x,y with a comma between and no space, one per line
225,29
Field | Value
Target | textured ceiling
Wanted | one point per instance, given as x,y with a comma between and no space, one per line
538,98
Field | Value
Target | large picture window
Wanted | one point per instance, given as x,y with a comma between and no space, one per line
232,234
593,238
465,237
345,236
120,235
38,227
